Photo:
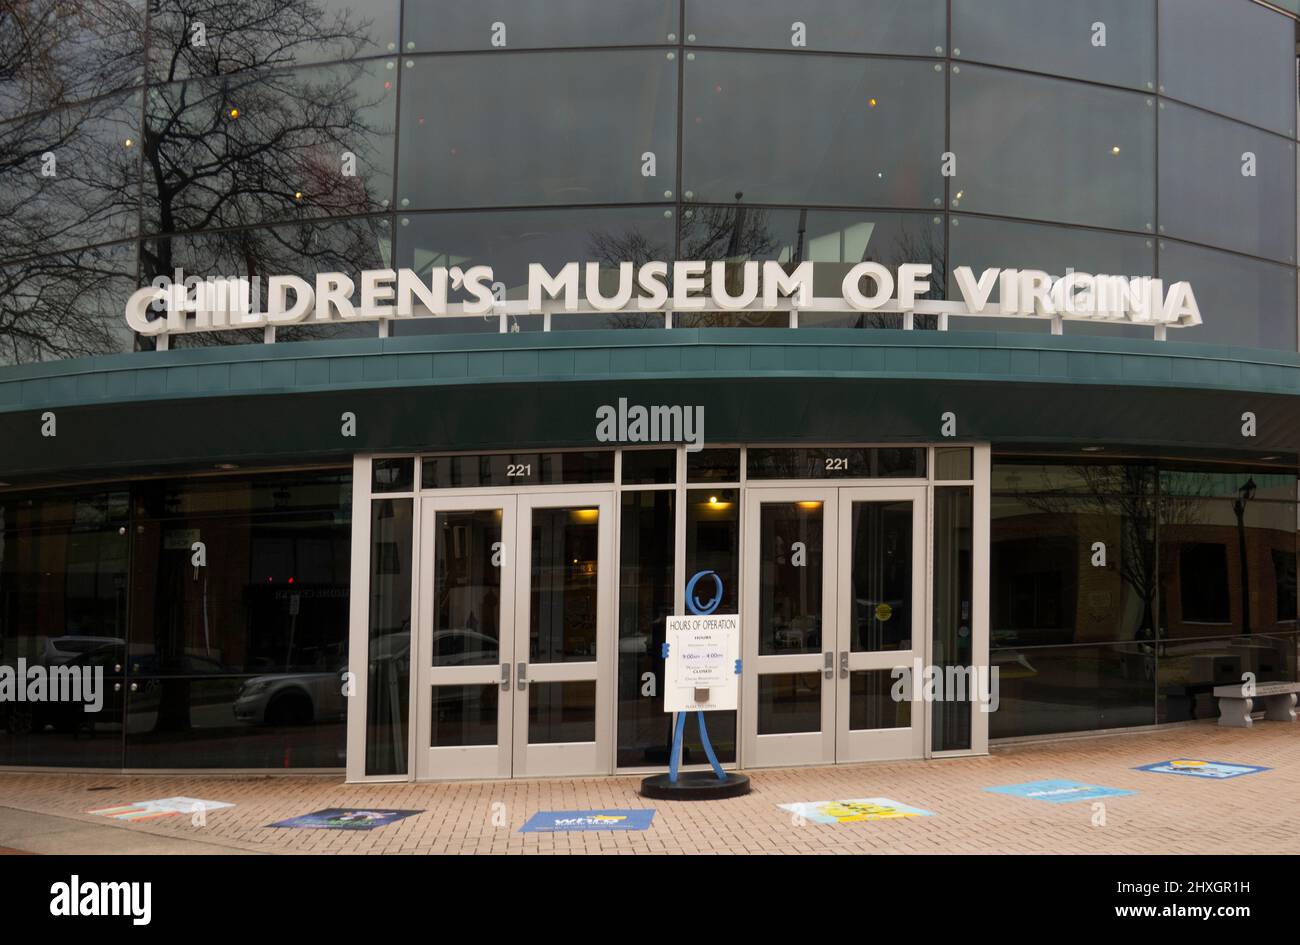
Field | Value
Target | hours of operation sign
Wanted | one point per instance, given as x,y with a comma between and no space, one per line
700,670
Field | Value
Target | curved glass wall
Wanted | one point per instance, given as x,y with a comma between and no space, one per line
1136,137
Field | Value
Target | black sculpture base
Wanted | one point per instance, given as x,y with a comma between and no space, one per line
695,786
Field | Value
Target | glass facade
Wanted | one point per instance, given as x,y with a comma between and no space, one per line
1121,594
135,144
217,609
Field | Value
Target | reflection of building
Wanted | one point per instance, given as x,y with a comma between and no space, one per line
495,579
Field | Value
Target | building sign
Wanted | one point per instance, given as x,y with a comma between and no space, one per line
178,305
700,666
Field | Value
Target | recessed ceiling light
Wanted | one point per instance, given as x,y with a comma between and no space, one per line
226,466
1093,449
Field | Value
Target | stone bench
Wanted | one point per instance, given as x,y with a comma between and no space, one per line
1279,700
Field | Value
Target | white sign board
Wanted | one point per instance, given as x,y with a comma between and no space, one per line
700,672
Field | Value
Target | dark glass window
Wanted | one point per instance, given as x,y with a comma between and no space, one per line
647,527
1203,582
389,667
641,467
1061,37
66,306
56,53
392,475
510,241
244,34
954,463
1237,59
317,141
1050,149
908,27
1204,195
953,636
538,128
1244,302
713,544
499,25
720,465
1188,670
835,463
70,177
792,128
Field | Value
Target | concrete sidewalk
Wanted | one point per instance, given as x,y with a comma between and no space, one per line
1252,814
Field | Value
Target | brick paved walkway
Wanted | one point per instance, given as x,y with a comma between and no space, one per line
1252,814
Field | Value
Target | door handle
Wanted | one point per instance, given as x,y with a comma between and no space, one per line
828,664
505,677
521,675
844,664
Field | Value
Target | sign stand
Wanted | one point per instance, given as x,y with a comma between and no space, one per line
696,658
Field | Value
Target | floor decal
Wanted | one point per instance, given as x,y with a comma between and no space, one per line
1194,768
161,807
347,818
565,821
1059,792
854,810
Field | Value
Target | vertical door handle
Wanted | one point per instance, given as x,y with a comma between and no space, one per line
521,675
829,665
844,664
505,677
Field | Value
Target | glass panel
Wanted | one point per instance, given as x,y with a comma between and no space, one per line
303,31
789,703
1061,37
1188,671
909,27
790,578
63,602
526,24
388,687
1072,476
1244,302
1210,549
1229,483
833,241
464,715
881,615
871,704
467,588
793,128
713,544
563,585
1082,154
983,243
70,177
66,306
649,466
1251,73
646,537
835,463
953,463
509,242
565,128
392,475
1204,195
516,469
66,54
713,466
1072,688
288,130
953,641
347,246
1049,583
561,712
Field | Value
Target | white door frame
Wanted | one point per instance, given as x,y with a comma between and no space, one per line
889,743
477,761
566,758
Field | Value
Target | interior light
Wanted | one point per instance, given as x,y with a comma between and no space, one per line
233,113
586,515
128,142
871,103
809,505
1115,150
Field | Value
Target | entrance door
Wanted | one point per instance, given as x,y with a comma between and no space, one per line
516,637
834,600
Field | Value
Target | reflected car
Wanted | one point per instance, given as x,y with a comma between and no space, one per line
292,698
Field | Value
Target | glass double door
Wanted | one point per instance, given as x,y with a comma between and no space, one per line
834,603
516,636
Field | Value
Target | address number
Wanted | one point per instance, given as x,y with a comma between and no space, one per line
519,470
837,464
